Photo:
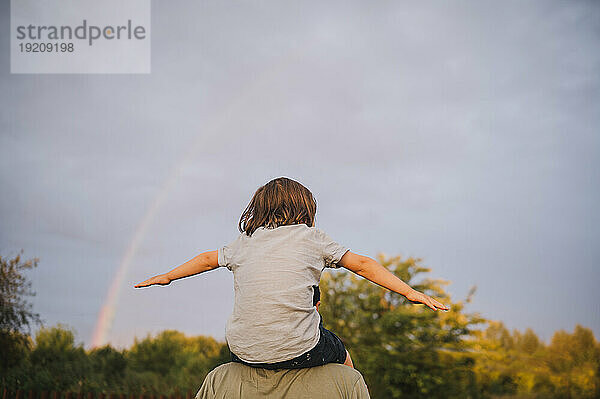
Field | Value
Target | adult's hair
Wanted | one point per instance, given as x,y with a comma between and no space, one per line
280,202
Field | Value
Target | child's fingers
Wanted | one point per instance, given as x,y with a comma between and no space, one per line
429,303
441,306
435,305
427,300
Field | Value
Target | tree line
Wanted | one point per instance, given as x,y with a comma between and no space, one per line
403,350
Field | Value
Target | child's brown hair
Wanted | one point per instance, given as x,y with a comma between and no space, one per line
280,202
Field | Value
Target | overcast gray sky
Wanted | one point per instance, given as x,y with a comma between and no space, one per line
464,133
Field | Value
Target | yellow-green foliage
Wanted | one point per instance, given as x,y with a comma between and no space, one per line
409,351
403,350
521,364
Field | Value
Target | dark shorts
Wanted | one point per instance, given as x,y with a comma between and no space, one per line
329,349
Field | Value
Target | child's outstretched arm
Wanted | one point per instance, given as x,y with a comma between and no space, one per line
202,263
371,270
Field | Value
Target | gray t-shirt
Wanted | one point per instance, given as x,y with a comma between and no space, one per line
273,317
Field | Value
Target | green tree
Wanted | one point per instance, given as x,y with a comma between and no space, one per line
528,342
521,364
16,312
497,361
574,360
171,362
57,362
108,368
403,350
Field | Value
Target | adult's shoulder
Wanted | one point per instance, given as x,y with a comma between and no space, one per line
214,381
330,381
220,372
334,371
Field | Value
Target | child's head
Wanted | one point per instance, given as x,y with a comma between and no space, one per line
280,202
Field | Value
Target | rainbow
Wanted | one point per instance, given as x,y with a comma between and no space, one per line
244,99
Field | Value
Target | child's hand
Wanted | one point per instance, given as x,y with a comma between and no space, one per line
419,297
161,279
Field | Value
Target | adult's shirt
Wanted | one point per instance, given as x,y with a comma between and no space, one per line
238,381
